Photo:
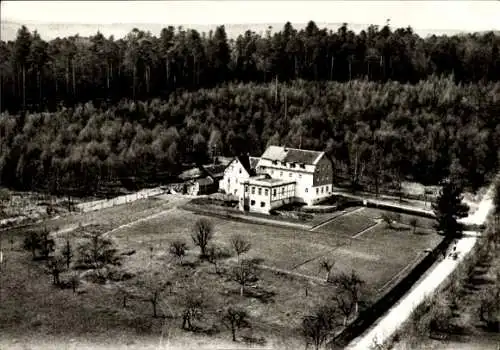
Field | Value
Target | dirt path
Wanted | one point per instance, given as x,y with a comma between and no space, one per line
399,313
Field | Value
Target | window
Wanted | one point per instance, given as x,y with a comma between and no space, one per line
240,170
262,204
235,191
283,163
260,191
275,162
317,190
272,172
300,176
253,190
307,190
281,174
322,189
292,165
282,190
246,189
290,175
274,192
266,192
236,180
229,181
303,166
252,202
327,189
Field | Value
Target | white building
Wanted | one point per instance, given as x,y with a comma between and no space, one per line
262,193
238,170
281,175
311,170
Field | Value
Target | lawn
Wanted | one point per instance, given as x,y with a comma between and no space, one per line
378,255
349,224
422,222
276,303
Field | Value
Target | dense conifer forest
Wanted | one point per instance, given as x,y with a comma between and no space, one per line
79,113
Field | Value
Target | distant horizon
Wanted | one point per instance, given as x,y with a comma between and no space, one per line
51,30
460,16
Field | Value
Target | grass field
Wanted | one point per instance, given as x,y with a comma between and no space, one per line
276,302
349,224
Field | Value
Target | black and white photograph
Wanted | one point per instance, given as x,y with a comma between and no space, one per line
234,175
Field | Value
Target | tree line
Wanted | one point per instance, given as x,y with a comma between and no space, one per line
36,74
375,133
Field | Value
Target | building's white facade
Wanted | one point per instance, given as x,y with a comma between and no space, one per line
262,194
313,175
282,175
236,172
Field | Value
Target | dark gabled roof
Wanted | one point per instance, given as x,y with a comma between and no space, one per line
245,161
215,171
205,181
292,155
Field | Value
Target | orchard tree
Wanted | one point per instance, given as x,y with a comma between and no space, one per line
317,327
178,249
55,266
97,251
240,245
244,273
67,252
414,224
327,266
202,234
351,284
235,318
193,306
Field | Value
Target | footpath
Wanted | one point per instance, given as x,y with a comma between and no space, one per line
387,325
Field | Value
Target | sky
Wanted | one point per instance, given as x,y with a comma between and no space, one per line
470,15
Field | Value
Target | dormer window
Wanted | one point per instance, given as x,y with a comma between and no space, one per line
303,166
275,162
292,165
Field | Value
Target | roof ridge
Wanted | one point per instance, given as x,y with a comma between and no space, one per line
297,149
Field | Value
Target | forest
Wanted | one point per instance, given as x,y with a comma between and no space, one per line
79,113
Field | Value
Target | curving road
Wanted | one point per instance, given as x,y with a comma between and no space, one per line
400,312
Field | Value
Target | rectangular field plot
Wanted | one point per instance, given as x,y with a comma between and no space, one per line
349,224
377,256
373,213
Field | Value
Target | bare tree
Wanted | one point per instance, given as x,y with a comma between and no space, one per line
56,266
214,254
235,318
32,243
244,273
327,266
193,304
390,219
351,284
345,305
317,327
178,249
414,224
151,289
97,251
47,244
67,252
240,245
202,234
75,281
